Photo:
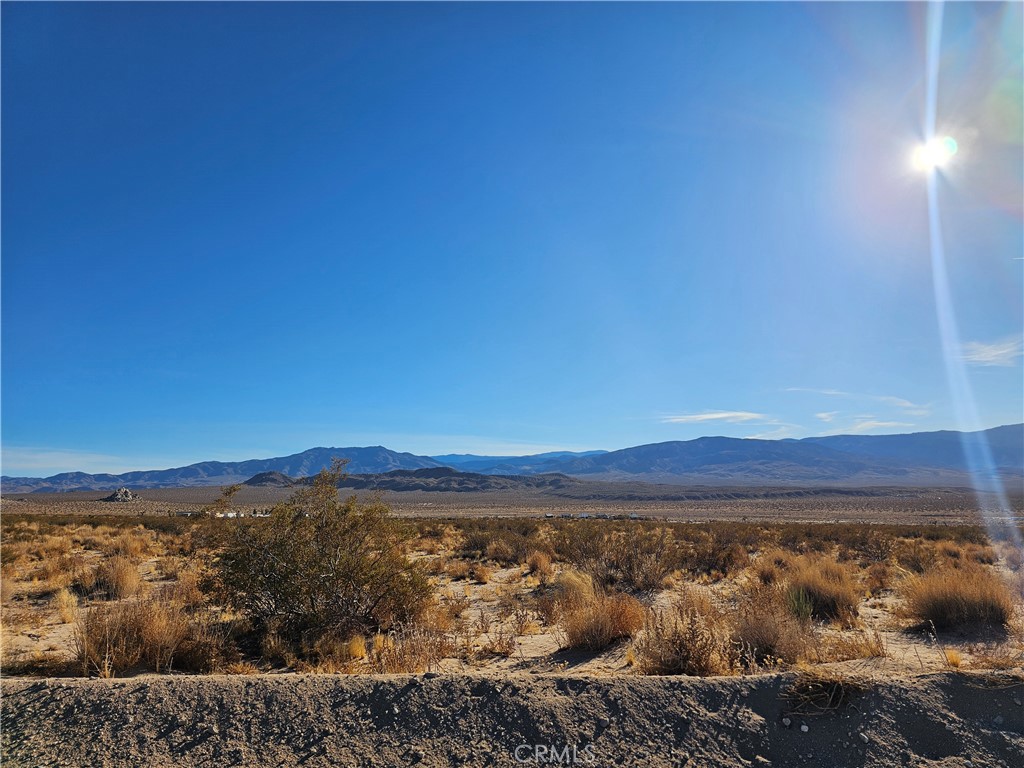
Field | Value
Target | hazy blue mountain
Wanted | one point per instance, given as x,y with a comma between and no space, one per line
934,449
930,458
361,461
926,458
510,465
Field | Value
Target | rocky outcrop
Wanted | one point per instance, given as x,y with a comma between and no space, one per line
122,495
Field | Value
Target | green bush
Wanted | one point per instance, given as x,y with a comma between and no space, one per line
320,566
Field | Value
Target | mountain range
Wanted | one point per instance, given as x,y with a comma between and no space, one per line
918,459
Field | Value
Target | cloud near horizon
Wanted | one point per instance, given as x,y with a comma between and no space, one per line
731,417
1003,353
908,407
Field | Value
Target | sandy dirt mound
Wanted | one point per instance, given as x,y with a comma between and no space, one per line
931,720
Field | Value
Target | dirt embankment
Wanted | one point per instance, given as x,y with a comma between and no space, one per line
930,720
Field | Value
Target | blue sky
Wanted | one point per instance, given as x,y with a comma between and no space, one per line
235,231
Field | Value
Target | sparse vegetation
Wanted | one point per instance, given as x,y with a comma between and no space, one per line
959,597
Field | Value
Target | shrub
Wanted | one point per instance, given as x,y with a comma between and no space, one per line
964,597
319,566
66,604
688,639
155,635
119,577
601,621
481,573
767,634
539,564
826,587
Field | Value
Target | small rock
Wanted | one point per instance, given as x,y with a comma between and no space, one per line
417,755
430,675
1016,701
804,728
787,722
863,737
604,722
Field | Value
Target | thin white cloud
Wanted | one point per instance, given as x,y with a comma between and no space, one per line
867,425
774,434
731,417
826,415
906,406
1003,353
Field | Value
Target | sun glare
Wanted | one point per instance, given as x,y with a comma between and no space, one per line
935,154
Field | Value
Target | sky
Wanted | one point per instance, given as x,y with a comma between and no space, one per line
233,231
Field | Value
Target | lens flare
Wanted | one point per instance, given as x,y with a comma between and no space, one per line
993,504
935,154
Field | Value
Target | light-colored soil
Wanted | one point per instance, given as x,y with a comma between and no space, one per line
451,720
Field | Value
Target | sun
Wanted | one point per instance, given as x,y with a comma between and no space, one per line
935,154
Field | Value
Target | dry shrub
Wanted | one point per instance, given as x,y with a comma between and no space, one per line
156,635
984,555
481,573
607,619
539,564
767,634
241,668
964,597
825,588
952,657
458,570
186,589
130,544
409,649
766,571
119,577
1014,557
502,551
916,555
169,567
66,605
879,576
501,642
859,644
691,638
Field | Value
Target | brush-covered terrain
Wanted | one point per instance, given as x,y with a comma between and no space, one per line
453,640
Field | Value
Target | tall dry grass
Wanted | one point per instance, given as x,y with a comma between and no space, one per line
690,638
967,596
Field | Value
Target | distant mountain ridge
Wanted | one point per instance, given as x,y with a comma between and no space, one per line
918,459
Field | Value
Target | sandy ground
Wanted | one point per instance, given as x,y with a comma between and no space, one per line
450,720
925,506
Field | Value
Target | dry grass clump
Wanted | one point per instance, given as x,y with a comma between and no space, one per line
590,618
539,564
119,577
963,597
409,649
691,638
66,605
481,573
822,589
155,635
767,634
849,645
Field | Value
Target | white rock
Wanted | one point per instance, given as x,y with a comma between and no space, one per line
864,737
804,728
787,722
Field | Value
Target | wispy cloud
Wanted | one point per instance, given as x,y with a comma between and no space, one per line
786,430
867,425
1004,352
731,417
826,415
906,406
